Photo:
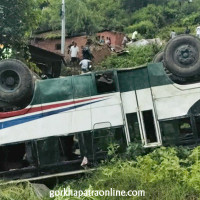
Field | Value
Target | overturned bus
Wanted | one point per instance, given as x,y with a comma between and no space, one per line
48,126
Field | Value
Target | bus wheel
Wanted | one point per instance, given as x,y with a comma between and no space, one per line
16,82
158,57
182,56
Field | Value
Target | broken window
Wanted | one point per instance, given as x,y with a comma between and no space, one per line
105,82
102,138
69,148
185,128
177,131
120,138
149,126
16,156
133,127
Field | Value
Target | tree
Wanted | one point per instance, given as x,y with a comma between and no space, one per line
110,13
133,5
17,20
78,17
87,16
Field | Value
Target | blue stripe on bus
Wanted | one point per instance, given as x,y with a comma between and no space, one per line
22,120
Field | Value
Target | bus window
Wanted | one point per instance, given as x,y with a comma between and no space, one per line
47,150
102,138
105,82
133,127
16,156
69,148
185,129
169,131
177,131
149,126
119,138
85,142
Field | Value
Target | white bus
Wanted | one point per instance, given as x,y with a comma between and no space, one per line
48,126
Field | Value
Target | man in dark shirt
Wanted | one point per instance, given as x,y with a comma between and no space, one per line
187,30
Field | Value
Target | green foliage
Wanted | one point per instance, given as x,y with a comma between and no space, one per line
147,20
17,20
34,67
22,191
146,28
161,173
192,19
110,14
165,31
161,18
136,56
134,150
112,150
169,173
87,16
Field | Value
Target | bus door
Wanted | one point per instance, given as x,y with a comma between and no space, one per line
148,123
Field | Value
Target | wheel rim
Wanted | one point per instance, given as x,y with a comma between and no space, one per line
10,80
186,55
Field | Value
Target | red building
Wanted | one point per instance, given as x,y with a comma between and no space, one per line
51,41
116,37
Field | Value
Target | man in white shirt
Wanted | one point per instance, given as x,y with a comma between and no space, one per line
74,52
173,34
198,31
85,65
134,35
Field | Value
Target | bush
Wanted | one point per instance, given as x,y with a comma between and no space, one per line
145,28
134,150
21,191
164,33
160,173
192,19
136,56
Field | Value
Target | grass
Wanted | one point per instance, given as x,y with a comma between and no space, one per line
22,191
166,173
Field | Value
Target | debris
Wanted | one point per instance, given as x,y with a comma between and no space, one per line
144,42
40,190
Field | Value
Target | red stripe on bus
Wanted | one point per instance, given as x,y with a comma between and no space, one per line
40,108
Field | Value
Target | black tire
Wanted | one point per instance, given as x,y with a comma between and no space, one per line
182,56
16,82
158,57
